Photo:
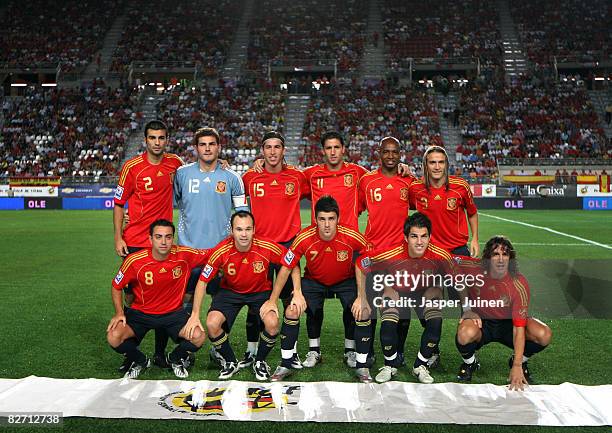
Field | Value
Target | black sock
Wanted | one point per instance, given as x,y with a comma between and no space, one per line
466,350
389,337
222,345
531,348
362,341
402,334
429,340
161,341
252,327
182,350
289,335
129,348
314,323
349,328
373,323
266,343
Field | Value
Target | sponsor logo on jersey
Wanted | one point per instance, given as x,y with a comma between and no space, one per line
274,183
210,402
424,202
289,257
221,187
348,180
289,188
258,267
245,261
177,272
404,194
118,192
505,299
328,250
118,277
389,186
207,271
342,255
451,203
437,197
159,173
163,271
366,262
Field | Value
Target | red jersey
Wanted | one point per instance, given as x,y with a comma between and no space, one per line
511,291
275,201
341,185
243,272
327,262
435,262
159,286
386,200
148,190
446,210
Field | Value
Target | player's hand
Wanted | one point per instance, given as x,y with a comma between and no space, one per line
268,306
470,315
258,165
517,378
474,248
360,309
404,170
224,164
299,303
121,248
192,324
118,319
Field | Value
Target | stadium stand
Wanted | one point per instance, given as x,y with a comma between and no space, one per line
166,31
43,32
442,30
282,31
240,114
62,132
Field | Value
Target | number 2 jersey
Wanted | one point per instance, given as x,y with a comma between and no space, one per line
159,286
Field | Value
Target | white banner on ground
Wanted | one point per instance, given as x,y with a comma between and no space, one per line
394,402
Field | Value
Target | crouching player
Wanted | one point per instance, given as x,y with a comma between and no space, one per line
500,304
418,268
159,276
245,260
330,250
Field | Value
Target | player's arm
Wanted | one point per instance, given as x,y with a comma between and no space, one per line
239,200
119,318
360,308
473,222
208,273
517,378
120,246
280,281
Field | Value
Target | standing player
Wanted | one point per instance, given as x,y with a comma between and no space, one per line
509,324
417,256
145,184
159,275
275,195
245,261
206,193
446,200
384,194
329,249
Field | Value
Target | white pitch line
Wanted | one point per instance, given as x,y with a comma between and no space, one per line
539,244
548,229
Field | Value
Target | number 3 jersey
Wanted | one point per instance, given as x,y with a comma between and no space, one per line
159,286
147,188
243,272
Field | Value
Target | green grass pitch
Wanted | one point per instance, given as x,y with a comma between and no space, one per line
57,267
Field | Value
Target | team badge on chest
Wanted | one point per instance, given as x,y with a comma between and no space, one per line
451,203
342,256
424,202
258,267
404,194
221,187
348,180
177,272
289,188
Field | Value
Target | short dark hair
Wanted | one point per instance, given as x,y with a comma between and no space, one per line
155,125
160,223
330,135
273,134
327,204
390,139
206,132
418,220
504,242
241,214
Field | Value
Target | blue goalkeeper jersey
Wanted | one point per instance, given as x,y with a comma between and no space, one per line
205,201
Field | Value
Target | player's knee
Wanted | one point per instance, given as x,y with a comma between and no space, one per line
540,333
467,332
114,337
291,312
214,322
271,323
198,338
